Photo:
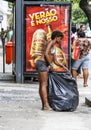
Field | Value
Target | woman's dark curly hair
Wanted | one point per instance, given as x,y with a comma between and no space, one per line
56,33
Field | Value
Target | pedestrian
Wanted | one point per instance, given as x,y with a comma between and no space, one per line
10,34
82,29
83,60
44,64
81,33
73,37
3,36
73,34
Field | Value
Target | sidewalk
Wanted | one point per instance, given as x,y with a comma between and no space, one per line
20,109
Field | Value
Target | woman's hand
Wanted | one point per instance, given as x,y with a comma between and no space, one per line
50,67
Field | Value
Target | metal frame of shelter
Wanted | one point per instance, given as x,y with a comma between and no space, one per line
20,72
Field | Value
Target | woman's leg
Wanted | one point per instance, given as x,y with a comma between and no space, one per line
74,74
43,79
75,65
85,70
85,76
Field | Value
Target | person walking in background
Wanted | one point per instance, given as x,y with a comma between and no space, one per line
73,34
83,61
10,34
82,29
80,33
3,35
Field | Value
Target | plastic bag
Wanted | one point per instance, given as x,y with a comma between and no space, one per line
63,94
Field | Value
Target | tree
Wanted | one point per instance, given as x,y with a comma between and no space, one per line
86,7
78,16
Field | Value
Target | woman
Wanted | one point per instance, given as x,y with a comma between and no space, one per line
44,64
83,61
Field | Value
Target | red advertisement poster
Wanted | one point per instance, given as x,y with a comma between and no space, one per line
40,19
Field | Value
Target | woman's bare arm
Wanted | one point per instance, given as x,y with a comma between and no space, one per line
47,52
60,63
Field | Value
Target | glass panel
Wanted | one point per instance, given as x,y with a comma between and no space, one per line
46,18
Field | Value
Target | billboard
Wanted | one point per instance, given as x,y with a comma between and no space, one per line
46,18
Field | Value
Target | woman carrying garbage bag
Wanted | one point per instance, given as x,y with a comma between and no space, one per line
62,89
44,64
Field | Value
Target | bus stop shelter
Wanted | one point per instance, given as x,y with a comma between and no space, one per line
24,11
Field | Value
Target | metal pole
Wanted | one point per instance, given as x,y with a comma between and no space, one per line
19,40
3,42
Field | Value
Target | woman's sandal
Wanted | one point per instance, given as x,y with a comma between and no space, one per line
85,85
47,109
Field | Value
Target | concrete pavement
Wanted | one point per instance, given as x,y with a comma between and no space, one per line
20,109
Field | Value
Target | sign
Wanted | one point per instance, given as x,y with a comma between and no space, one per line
40,19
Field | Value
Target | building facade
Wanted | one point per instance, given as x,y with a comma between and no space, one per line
4,15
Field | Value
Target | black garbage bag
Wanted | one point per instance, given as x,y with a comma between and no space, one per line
63,94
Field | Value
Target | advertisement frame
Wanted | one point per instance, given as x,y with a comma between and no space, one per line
44,3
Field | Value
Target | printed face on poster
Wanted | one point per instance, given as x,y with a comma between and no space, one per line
46,18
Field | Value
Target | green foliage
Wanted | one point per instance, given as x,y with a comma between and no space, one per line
78,16
11,5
